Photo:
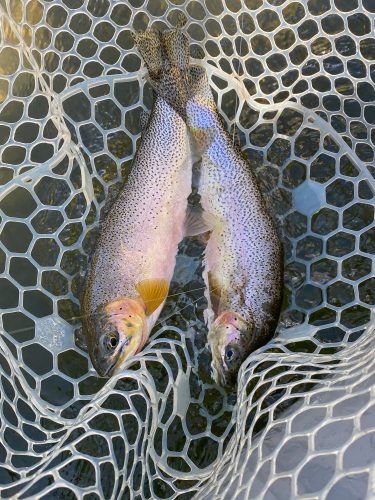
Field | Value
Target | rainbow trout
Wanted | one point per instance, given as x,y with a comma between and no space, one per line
134,258
243,257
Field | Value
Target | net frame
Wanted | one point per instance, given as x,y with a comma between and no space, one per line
162,418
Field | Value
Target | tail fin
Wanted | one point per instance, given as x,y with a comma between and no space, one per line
199,85
166,56
202,117
149,45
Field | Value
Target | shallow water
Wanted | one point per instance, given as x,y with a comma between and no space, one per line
303,132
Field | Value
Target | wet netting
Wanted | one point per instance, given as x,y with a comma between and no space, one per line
294,82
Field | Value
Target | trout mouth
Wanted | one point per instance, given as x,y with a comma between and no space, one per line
115,364
227,339
108,363
121,332
226,364
107,351
107,367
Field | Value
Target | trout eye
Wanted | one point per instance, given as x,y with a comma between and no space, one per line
232,357
111,341
229,353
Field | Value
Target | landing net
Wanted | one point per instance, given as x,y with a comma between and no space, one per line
294,82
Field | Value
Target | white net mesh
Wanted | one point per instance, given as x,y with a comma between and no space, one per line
294,82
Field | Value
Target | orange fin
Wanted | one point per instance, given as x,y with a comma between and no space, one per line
215,291
153,293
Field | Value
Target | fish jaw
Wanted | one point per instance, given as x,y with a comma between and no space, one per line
228,340
121,331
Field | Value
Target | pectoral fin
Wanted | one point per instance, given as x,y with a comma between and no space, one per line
215,292
153,293
195,222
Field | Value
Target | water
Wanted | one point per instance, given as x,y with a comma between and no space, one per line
311,166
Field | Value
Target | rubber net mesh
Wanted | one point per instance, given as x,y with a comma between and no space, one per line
294,83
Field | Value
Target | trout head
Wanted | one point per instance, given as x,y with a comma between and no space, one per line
121,329
230,340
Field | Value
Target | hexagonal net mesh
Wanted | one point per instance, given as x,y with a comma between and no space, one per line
294,83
